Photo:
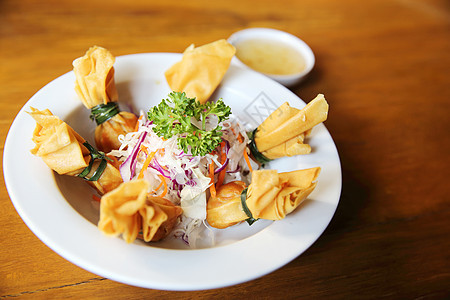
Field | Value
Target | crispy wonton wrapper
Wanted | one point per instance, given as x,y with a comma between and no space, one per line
273,195
201,69
95,86
63,151
283,132
128,211
225,209
94,74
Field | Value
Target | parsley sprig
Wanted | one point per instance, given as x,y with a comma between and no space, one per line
172,116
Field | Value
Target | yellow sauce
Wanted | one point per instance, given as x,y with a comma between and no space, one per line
270,57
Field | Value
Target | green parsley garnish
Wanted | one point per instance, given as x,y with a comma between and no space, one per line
173,117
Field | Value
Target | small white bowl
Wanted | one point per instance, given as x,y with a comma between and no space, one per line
278,36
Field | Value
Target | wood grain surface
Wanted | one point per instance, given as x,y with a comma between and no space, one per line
384,68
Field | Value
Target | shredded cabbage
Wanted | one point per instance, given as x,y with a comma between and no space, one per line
186,179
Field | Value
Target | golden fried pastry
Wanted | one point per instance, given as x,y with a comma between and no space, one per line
225,209
201,69
66,152
96,89
283,132
128,211
272,195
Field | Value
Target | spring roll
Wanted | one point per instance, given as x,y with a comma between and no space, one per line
201,69
64,151
129,212
97,91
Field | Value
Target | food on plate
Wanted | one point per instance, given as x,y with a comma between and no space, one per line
198,126
186,165
201,69
225,208
66,152
186,150
129,211
96,89
195,155
270,195
283,132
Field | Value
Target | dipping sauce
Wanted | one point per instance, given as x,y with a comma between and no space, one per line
270,57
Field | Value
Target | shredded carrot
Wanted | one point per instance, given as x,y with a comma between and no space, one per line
146,163
212,188
137,123
223,158
247,159
165,185
143,149
162,151
96,198
240,138
159,186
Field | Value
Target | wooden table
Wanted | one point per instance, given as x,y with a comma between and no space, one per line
383,66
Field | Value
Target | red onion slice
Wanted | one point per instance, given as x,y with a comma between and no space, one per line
128,167
238,168
224,165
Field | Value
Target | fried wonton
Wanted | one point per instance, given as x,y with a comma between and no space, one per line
201,69
64,151
149,215
129,212
96,89
283,132
94,74
225,209
272,195
59,146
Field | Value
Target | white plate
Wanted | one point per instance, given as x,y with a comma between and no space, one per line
59,211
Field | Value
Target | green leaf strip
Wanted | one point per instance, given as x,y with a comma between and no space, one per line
86,170
247,211
254,150
95,154
103,112
99,171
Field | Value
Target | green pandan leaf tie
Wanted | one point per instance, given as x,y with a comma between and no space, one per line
254,150
99,171
86,170
95,154
247,211
103,112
